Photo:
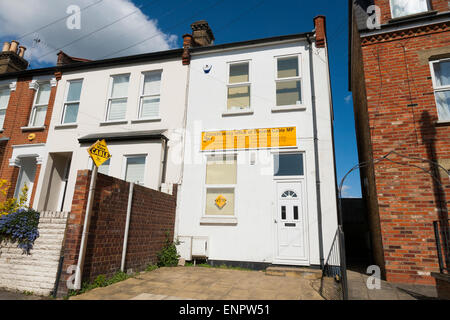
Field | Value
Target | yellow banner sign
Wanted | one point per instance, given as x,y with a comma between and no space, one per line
99,153
249,139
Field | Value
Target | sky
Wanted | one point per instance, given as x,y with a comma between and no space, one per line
111,28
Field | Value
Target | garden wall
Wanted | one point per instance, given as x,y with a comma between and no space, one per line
37,271
152,216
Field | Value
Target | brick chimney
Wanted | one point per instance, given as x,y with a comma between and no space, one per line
202,33
12,58
64,58
188,40
321,31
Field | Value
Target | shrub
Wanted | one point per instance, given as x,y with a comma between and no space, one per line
12,205
168,256
21,227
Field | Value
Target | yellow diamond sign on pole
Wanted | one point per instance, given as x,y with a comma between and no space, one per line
99,153
221,201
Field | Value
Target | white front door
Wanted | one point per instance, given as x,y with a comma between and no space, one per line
290,222
26,176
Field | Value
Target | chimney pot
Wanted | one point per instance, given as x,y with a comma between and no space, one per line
22,50
6,46
321,31
14,46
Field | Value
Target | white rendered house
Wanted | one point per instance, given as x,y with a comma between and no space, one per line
136,104
259,180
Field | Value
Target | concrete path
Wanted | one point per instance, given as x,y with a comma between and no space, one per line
357,290
9,295
184,283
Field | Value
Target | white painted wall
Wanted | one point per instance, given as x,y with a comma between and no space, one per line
253,238
92,112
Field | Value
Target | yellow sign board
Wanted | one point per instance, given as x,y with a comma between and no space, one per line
221,201
99,153
249,139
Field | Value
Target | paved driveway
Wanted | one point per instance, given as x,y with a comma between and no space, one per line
205,284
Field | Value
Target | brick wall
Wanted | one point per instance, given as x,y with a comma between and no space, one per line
437,5
37,271
402,116
152,215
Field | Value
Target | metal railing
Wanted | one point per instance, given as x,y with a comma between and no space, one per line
335,266
442,234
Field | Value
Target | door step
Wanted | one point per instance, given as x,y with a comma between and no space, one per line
294,272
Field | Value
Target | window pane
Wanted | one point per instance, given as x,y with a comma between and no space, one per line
288,67
289,93
221,172
212,208
239,73
2,118
120,86
152,83
74,91
39,116
43,95
71,114
4,98
288,165
117,109
150,107
239,97
443,105
104,168
402,8
442,73
135,170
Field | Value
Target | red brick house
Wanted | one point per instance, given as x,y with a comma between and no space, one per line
400,80
26,104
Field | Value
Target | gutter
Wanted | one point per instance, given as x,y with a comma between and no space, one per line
316,155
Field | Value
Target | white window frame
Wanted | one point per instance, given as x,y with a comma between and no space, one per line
110,98
289,178
399,17
297,78
69,82
142,96
125,162
5,108
222,219
437,88
248,84
35,105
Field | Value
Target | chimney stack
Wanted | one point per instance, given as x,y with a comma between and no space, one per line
321,31
202,33
12,58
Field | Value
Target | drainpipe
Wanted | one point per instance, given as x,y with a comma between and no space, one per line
127,227
164,161
316,153
87,222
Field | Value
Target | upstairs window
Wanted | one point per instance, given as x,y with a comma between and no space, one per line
118,98
4,100
238,86
150,95
441,83
401,8
39,110
71,106
288,81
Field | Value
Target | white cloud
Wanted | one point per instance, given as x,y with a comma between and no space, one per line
18,18
345,191
348,98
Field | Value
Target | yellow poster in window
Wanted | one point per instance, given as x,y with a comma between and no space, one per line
249,139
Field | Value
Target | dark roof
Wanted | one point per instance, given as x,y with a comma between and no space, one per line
124,136
160,55
252,42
